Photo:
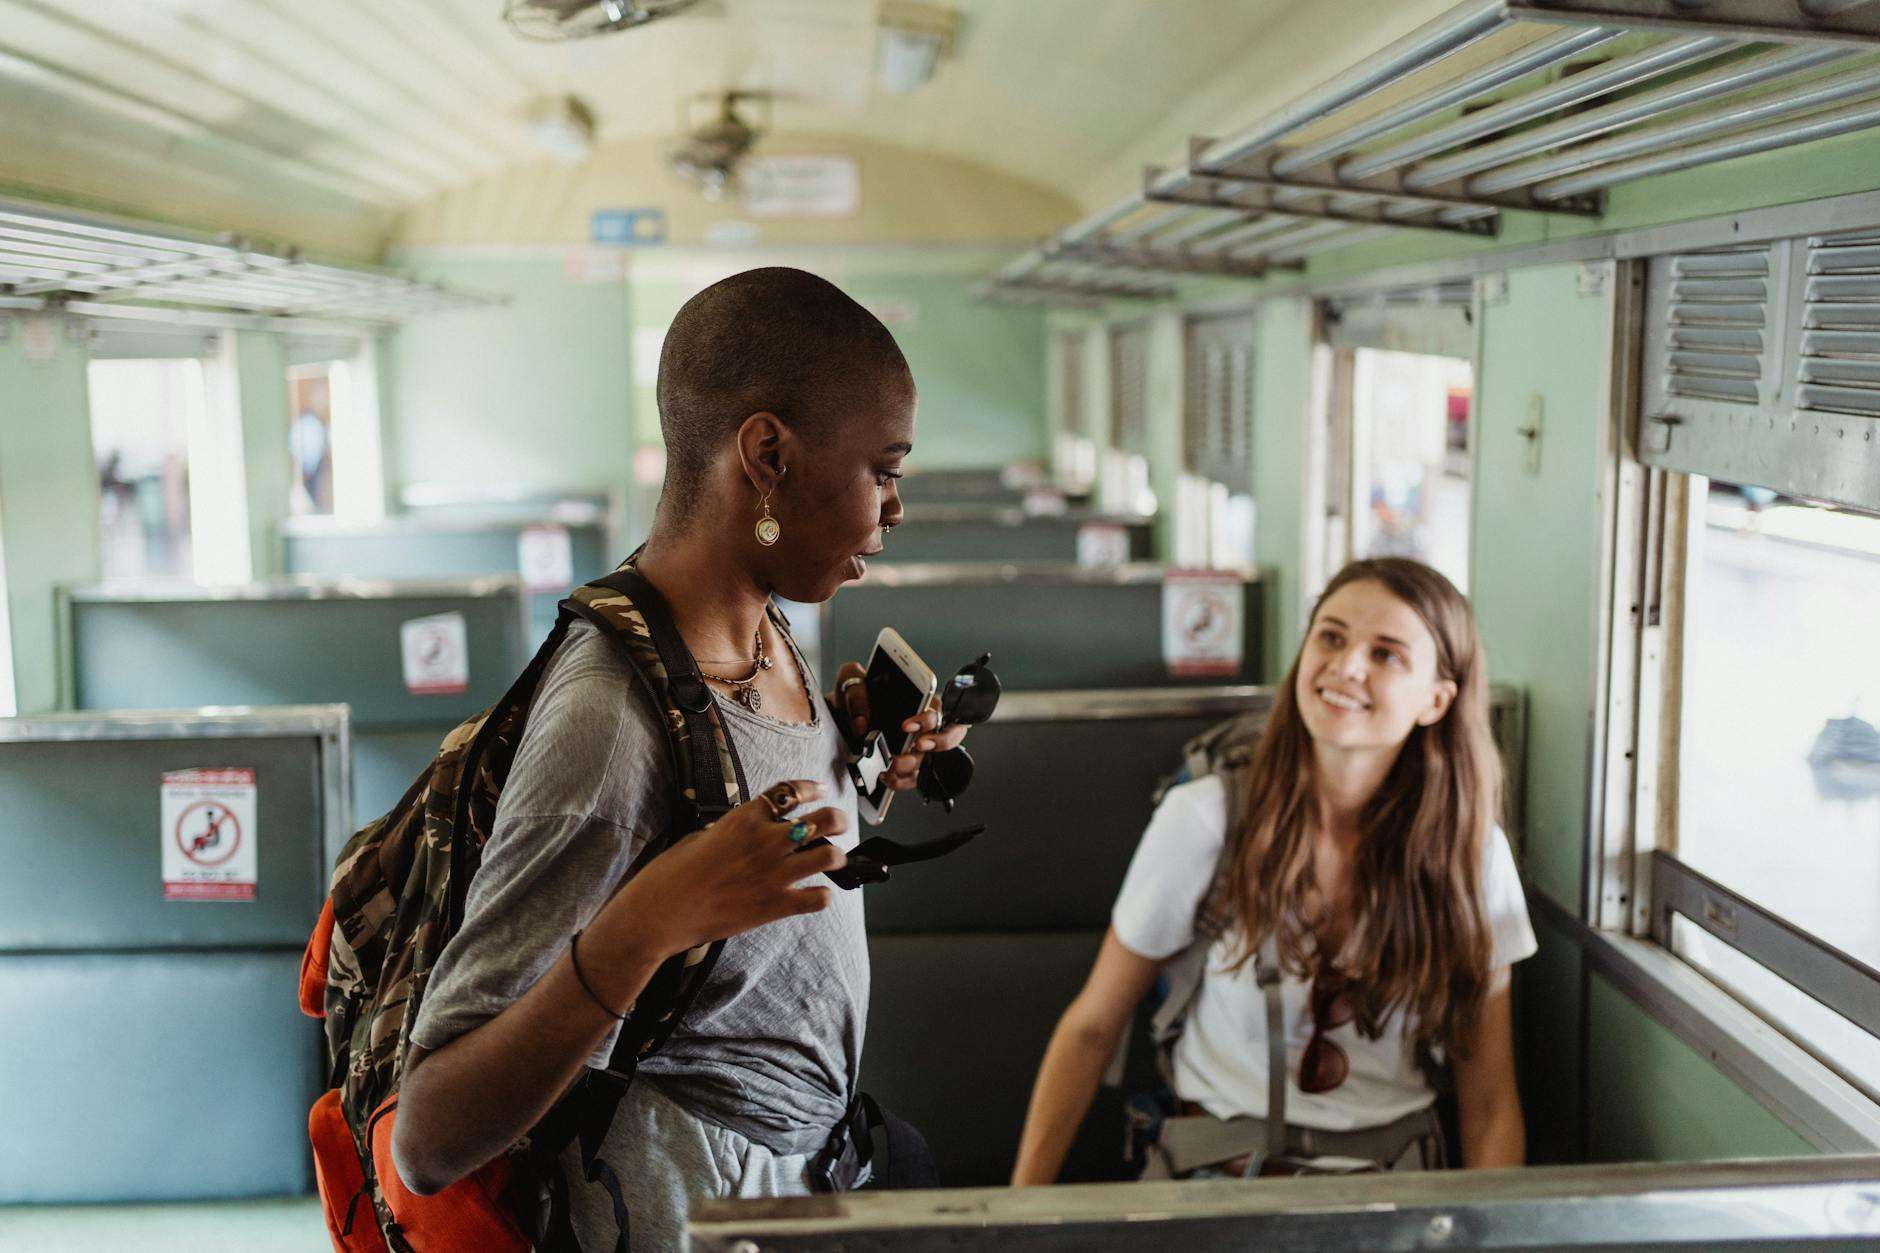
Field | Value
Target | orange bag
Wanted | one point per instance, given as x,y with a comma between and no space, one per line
313,964
342,1184
470,1214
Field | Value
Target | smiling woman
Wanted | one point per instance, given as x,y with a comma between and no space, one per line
1356,865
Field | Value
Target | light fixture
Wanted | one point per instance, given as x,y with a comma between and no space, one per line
912,39
563,127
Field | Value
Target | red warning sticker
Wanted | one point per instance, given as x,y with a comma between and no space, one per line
209,837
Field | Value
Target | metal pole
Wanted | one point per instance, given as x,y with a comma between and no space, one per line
1149,226
1342,239
1824,126
1205,222
1624,72
1428,43
1733,117
1547,51
1266,225
1295,232
1699,89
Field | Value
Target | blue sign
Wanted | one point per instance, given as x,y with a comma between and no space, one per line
629,227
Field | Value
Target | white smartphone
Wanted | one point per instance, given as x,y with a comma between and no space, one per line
899,686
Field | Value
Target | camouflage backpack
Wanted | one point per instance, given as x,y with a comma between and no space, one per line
397,897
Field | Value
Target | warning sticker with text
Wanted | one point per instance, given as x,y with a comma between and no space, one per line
209,835
436,655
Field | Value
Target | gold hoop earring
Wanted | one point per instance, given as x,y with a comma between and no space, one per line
768,530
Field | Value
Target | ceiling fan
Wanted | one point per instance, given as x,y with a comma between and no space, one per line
709,155
578,19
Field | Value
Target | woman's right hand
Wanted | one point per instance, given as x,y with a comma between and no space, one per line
739,873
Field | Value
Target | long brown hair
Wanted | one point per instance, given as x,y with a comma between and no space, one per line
1420,940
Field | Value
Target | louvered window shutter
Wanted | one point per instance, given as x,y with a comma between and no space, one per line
1719,333
1129,388
1070,367
1838,366
1762,366
1218,399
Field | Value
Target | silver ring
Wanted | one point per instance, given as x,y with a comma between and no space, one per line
842,688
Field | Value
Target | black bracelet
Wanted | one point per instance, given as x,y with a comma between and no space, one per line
574,959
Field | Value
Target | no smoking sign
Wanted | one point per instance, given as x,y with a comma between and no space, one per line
208,818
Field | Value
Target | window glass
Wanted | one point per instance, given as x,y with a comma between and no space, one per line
1779,761
1410,437
141,414
310,436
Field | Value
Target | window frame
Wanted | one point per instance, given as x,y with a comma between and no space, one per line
1634,884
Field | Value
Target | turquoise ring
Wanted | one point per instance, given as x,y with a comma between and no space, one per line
800,831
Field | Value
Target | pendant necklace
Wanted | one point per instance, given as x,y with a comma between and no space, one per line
744,690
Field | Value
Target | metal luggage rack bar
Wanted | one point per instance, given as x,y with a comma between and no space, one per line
54,259
1536,105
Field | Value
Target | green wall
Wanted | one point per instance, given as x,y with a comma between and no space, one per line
1536,560
528,394
261,393
1282,380
48,501
1651,1097
979,367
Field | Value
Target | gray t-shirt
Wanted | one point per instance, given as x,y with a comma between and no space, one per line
772,1044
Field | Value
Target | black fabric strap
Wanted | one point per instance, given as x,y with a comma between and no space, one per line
1267,972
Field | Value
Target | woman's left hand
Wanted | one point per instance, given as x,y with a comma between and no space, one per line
926,735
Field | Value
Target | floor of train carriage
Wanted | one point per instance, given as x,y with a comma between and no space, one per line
264,1225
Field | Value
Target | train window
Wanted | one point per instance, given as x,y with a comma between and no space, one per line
1778,794
1397,454
142,412
1393,443
1410,458
310,434
1781,602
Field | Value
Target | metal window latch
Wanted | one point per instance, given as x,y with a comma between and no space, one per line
1658,433
1531,433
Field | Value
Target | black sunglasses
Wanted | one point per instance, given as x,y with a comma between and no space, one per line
968,700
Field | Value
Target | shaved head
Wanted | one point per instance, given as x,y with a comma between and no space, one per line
773,340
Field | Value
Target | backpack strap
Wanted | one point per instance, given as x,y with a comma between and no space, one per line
1183,975
520,692
708,782
1267,973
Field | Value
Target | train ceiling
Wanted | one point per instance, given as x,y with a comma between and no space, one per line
313,110
390,102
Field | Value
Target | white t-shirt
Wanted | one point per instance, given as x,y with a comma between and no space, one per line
1220,1060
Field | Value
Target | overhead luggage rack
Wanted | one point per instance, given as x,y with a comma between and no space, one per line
101,267
1537,105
